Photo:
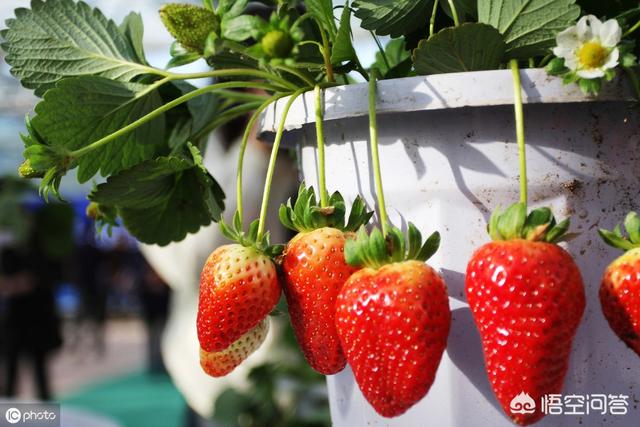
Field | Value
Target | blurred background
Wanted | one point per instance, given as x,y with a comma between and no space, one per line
83,316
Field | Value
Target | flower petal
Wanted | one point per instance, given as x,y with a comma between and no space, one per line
591,73
612,59
561,52
610,33
568,39
595,24
584,28
571,63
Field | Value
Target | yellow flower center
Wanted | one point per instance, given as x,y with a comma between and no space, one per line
593,55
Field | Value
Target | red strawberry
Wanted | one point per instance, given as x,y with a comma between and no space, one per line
393,319
527,298
238,287
620,289
314,271
221,363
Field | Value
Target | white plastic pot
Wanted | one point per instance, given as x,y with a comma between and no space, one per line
448,158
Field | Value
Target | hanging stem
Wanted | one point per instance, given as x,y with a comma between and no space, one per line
272,163
322,181
157,112
631,30
243,148
227,116
381,49
326,54
432,21
522,152
454,12
373,132
544,61
249,72
299,74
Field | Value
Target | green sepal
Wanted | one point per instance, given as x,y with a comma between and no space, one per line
307,215
235,233
189,24
616,239
538,226
374,250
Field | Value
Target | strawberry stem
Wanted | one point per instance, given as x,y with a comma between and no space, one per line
322,181
519,113
272,163
243,147
373,132
432,21
454,13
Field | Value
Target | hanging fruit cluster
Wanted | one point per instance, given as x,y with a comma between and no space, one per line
370,299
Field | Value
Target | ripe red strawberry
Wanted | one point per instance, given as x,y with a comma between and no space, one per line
393,319
620,288
314,270
221,363
527,298
238,287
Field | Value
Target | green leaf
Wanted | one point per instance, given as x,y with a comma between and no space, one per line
162,200
189,24
322,11
231,8
398,59
393,17
343,49
145,185
468,47
243,27
133,28
529,27
62,38
82,110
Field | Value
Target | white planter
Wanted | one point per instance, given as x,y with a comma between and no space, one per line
449,157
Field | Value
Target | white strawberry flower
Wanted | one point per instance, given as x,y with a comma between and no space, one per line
589,48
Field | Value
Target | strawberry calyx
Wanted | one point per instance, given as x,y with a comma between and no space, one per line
307,215
616,239
538,226
375,250
249,239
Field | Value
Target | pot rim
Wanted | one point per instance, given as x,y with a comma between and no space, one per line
438,92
